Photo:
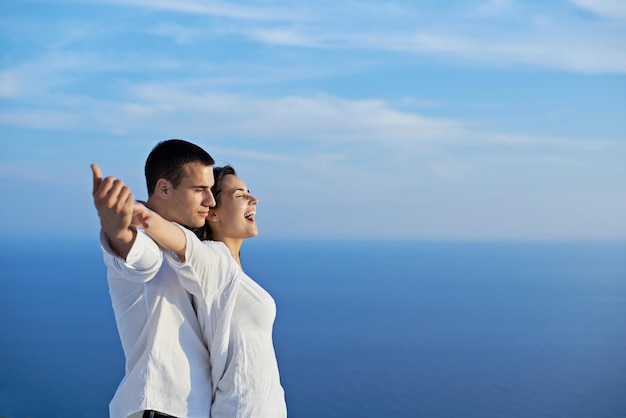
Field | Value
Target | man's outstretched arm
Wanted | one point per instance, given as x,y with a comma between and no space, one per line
114,203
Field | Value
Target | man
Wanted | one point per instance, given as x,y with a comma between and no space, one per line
167,369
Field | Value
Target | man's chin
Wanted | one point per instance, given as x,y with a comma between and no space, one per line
193,227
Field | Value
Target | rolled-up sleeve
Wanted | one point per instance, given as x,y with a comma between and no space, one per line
142,262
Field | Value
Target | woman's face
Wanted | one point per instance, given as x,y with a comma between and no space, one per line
237,209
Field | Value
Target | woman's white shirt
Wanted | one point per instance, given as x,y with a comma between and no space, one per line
237,317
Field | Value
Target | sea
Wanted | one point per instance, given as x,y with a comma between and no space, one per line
369,329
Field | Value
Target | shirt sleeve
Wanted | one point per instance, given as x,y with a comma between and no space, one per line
212,276
142,262
208,267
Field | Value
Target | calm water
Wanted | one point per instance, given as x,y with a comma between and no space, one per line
364,329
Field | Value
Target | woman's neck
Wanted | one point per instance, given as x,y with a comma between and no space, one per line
233,245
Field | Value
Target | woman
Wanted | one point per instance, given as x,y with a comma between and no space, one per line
235,313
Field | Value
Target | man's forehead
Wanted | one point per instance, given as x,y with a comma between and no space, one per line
198,172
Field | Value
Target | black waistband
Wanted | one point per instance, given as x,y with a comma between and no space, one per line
155,414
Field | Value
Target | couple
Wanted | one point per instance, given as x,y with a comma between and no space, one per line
195,329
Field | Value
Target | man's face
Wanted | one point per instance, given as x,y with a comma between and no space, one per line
189,203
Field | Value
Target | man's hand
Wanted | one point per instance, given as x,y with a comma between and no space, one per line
114,203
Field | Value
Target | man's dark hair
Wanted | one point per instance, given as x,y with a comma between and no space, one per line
167,159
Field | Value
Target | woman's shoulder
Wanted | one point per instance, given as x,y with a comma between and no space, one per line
221,251
216,245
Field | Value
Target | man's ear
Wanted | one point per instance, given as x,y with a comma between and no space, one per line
163,188
213,216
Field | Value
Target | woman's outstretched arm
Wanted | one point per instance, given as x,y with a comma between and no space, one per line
168,235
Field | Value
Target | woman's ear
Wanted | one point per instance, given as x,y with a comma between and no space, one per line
162,188
213,216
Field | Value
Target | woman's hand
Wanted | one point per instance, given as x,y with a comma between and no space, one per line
142,216
166,234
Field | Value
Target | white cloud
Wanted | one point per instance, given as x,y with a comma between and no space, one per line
286,37
316,118
494,7
532,37
209,8
181,34
225,153
10,84
38,118
569,51
615,9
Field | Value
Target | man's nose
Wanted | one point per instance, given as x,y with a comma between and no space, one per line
209,199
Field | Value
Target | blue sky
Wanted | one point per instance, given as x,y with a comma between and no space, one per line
494,119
